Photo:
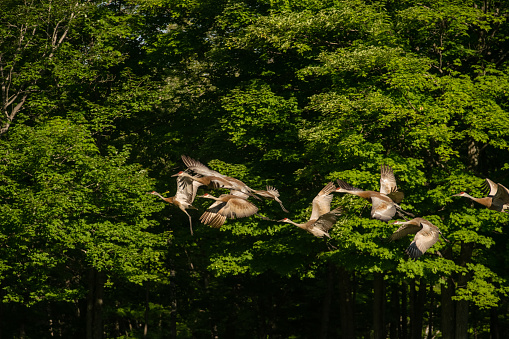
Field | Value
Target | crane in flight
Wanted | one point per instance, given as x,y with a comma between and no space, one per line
322,218
226,206
496,199
184,196
226,182
426,235
384,204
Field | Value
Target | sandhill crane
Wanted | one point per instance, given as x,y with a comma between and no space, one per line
426,235
322,218
202,170
184,197
210,181
270,193
497,198
384,203
226,206
388,184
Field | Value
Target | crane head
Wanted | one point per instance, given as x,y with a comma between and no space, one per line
397,222
179,173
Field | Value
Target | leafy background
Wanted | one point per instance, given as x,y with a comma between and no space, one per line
100,100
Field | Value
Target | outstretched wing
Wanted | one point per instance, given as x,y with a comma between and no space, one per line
327,220
322,201
489,187
212,219
199,168
396,196
387,180
347,187
271,193
502,195
238,208
423,240
186,189
388,184
405,230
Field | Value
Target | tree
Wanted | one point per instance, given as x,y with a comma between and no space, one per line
72,220
76,59
292,95
31,34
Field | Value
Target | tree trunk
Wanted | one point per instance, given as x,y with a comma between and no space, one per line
461,319
431,313
346,305
147,310
378,306
417,298
403,333
462,305
447,308
95,296
494,331
173,299
394,312
327,301
1,312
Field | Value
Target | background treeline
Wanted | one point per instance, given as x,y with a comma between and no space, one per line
99,99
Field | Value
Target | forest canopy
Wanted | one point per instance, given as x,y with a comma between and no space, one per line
101,99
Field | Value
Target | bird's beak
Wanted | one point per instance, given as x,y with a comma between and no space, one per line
175,175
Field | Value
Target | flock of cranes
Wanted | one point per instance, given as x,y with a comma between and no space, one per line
384,204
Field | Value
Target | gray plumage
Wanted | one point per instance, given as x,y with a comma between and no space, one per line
322,218
426,235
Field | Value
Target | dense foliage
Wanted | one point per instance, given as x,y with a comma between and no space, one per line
101,98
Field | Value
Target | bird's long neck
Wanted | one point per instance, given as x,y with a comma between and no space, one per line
363,194
201,180
159,195
170,200
486,201
294,223
210,197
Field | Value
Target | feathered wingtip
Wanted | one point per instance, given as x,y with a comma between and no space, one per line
328,188
271,189
396,196
485,187
413,251
489,188
386,239
386,170
187,160
213,219
344,185
337,211
190,162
